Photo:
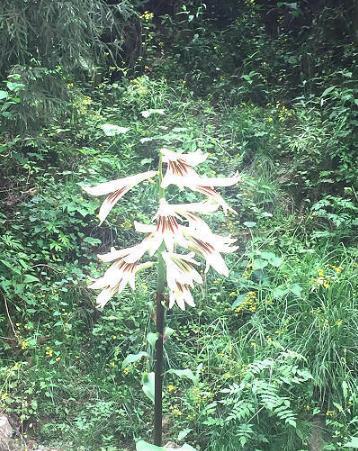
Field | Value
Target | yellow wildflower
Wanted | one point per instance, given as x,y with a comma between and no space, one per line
147,16
176,411
249,304
24,344
337,269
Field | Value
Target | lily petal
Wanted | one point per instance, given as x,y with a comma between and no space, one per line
130,255
115,279
115,190
181,276
109,187
190,159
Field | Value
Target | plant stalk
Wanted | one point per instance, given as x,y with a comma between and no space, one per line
160,324
159,355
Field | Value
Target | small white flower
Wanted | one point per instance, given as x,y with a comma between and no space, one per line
113,130
197,236
149,113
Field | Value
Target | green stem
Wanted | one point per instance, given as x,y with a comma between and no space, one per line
159,346
159,351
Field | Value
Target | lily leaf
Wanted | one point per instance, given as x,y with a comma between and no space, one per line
148,385
152,338
131,358
141,445
352,444
187,373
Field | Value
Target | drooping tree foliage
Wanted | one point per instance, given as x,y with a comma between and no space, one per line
77,35
45,43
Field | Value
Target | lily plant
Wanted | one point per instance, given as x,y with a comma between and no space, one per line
178,237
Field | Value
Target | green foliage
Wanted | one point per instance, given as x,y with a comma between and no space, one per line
71,33
268,353
259,404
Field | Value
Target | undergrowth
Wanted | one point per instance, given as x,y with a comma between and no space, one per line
265,353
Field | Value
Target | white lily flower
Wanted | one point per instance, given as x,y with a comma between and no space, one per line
211,255
214,195
188,210
181,276
166,229
115,190
182,162
115,280
130,255
181,295
210,246
196,236
180,172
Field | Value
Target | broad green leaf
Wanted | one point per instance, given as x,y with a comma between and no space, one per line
148,380
168,331
13,86
239,300
328,91
144,446
296,289
260,276
146,161
291,422
250,224
10,265
187,373
267,255
152,338
259,264
4,95
131,358
182,434
279,292
113,130
276,261
271,258
352,444
30,279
